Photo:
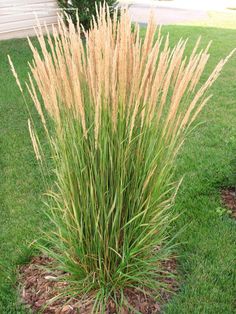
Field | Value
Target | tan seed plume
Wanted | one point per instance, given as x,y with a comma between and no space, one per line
144,81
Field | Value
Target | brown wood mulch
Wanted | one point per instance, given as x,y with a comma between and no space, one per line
38,286
228,196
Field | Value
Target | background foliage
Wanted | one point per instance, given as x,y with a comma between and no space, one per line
86,9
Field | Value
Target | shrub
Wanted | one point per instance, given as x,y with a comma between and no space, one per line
119,109
85,9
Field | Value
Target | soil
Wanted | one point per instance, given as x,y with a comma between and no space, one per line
38,286
228,196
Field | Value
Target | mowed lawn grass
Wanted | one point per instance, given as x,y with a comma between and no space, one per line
207,253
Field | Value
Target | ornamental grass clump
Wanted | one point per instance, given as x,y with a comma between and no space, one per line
115,110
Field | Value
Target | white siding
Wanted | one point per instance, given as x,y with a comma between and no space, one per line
18,17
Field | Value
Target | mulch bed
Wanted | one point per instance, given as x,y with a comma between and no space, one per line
228,196
38,286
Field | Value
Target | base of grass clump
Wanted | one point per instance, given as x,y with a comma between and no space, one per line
228,196
40,288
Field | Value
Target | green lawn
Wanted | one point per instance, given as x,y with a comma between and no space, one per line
207,252
226,19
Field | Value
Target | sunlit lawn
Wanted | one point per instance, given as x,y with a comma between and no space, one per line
225,19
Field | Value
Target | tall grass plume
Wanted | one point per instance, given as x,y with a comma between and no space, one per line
119,108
